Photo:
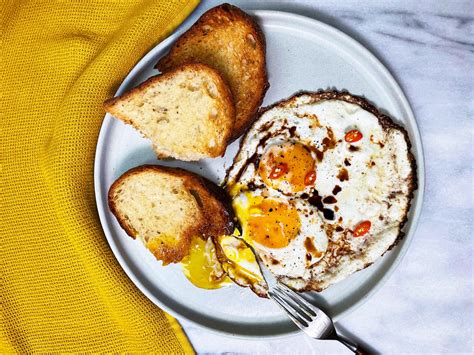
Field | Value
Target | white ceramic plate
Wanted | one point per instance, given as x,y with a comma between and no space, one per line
302,54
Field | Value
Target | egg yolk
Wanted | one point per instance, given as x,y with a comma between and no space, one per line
287,163
273,224
202,267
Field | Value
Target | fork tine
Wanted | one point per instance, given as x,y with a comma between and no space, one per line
295,303
290,306
297,298
301,323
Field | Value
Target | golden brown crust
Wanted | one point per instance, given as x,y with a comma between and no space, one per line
220,219
385,121
216,217
175,254
219,18
222,88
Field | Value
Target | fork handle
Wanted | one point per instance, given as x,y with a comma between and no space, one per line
355,348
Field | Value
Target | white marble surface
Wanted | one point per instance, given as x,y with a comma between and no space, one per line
427,304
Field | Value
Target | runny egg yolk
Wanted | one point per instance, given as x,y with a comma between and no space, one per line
273,224
202,267
288,164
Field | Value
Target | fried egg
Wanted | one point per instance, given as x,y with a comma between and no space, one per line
321,187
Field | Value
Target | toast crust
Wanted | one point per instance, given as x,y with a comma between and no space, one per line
214,216
222,88
220,217
215,24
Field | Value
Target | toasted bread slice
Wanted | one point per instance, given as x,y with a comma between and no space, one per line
187,112
165,207
229,40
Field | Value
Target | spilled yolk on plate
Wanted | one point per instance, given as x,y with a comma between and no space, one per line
201,266
204,270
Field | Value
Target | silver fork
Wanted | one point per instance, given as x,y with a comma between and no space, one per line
309,318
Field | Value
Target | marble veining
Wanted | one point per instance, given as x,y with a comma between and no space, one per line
427,304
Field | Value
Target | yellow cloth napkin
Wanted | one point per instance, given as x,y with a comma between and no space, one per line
61,288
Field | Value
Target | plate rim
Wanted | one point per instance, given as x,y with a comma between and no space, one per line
415,208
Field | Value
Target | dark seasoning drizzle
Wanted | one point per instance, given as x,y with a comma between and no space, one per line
314,199
255,158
